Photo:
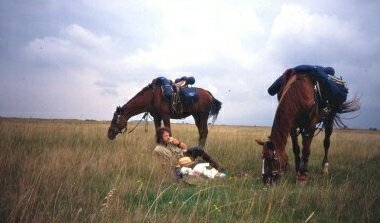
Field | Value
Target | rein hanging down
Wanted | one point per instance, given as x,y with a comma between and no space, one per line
145,116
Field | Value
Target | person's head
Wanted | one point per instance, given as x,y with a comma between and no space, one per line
163,135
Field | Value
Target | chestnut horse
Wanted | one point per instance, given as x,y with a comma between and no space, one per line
150,99
298,109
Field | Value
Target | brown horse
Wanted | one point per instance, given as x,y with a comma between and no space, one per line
150,99
298,109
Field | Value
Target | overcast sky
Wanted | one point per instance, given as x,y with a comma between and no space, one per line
80,59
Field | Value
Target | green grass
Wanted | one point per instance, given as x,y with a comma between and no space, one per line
61,171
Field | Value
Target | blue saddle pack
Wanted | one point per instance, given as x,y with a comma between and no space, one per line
188,95
166,87
336,91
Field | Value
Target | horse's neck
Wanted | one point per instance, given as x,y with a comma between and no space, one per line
282,124
135,106
286,112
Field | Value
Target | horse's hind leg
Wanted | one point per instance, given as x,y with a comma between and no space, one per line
201,122
296,148
326,144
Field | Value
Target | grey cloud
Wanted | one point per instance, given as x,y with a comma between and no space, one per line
108,87
81,53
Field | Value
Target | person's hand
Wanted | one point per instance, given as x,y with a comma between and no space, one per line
178,143
174,141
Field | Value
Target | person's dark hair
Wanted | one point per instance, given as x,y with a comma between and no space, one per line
159,134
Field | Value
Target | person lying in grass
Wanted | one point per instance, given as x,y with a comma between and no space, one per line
171,149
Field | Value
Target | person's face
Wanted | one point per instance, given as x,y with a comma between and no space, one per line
165,137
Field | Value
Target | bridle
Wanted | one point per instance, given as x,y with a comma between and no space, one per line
116,130
115,125
271,170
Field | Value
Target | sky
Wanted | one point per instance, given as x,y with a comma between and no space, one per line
81,59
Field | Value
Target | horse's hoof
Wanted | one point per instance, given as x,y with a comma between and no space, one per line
325,168
302,178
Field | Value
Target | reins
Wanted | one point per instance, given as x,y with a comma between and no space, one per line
145,116
320,127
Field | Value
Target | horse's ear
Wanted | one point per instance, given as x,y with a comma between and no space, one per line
118,109
260,142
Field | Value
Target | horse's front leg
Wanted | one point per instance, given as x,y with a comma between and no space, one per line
296,148
157,123
166,121
307,137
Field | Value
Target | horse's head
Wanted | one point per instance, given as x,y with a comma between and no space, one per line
116,124
140,103
271,170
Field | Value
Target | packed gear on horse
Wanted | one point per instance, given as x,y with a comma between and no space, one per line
179,93
331,91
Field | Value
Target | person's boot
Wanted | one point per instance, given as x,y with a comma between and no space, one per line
206,157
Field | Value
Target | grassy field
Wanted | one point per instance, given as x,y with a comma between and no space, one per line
62,171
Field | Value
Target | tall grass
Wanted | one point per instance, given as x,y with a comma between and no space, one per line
68,171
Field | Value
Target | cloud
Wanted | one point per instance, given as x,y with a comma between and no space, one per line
101,54
78,49
298,33
74,47
86,39
194,35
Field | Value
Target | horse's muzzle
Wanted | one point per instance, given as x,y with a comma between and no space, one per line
270,177
112,132
111,137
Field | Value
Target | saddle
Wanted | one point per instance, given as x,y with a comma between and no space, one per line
178,94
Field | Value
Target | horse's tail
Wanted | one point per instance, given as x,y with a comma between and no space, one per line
215,108
352,105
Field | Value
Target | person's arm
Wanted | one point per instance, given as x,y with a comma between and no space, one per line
180,144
